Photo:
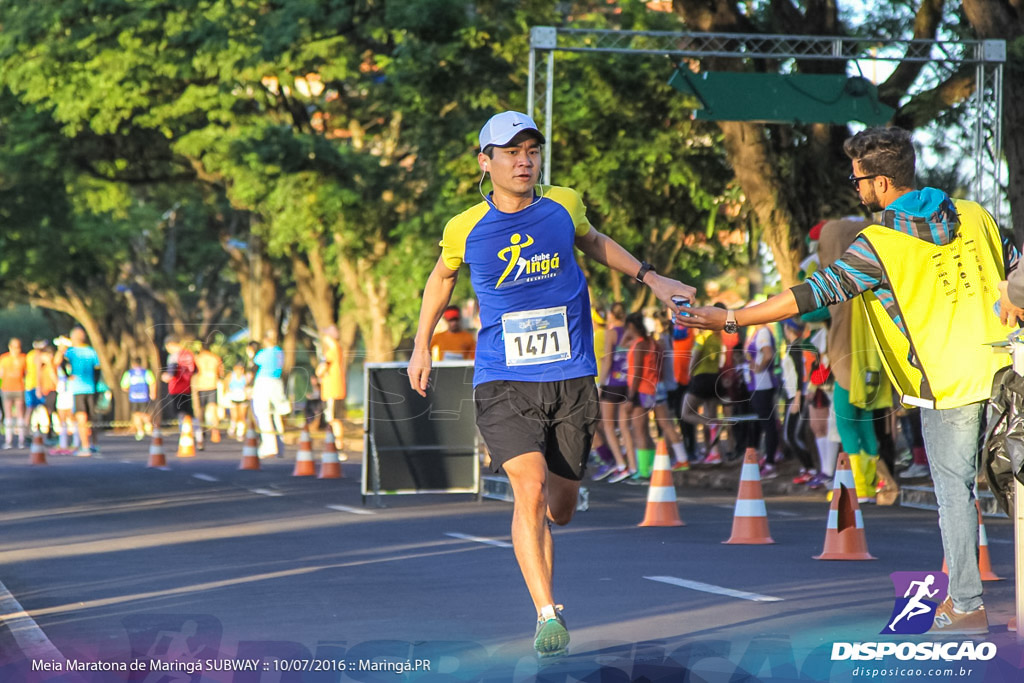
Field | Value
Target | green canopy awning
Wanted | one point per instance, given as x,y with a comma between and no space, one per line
782,98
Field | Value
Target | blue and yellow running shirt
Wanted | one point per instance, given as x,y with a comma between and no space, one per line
535,321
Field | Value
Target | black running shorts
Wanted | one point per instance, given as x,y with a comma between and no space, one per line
182,404
704,386
85,403
614,393
556,418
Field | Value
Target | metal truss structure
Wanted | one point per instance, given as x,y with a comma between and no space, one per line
943,57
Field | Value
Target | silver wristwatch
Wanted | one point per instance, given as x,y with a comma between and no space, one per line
730,323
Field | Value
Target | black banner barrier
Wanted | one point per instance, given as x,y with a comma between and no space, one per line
413,444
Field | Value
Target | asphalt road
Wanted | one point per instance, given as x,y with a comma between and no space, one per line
115,563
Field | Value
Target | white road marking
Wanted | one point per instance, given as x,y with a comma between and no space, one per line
1000,541
785,513
204,477
30,638
354,511
479,539
711,588
267,492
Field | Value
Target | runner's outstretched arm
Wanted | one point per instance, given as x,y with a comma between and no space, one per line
608,252
776,308
436,295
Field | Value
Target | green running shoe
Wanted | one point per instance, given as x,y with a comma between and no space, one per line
552,639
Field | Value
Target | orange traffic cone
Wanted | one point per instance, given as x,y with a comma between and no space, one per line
750,521
662,509
187,440
156,450
330,466
250,457
214,435
304,465
37,454
1012,626
984,561
844,537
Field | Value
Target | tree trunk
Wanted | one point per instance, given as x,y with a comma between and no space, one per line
290,342
257,285
264,317
1013,148
366,297
1000,19
747,146
747,149
317,291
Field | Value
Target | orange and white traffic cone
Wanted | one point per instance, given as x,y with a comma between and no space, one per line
330,466
37,454
750,520
250,455
214,434
156,450
304,465
186,440
844,537
984,560
662,509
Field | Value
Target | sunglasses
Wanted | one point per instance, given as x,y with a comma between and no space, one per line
855,179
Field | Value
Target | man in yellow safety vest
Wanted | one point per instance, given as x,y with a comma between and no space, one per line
927,275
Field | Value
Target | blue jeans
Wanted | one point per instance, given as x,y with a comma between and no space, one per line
951,440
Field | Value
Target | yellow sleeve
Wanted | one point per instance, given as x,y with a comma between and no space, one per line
453,241
573,203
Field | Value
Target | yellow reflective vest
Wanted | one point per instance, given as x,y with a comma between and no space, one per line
944,297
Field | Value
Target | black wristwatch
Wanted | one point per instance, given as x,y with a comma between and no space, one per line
645,268
730,323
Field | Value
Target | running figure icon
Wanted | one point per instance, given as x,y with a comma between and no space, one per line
915,606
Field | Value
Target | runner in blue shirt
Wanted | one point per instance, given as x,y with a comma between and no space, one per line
85,367
269,400
535,396
140,384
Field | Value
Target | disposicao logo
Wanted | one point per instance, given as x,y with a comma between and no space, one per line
918,594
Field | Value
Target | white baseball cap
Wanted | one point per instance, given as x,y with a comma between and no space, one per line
501,128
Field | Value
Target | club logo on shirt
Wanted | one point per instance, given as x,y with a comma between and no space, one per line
534,267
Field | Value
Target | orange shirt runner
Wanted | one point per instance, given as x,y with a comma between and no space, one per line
448,345
12,372
682,354
643,363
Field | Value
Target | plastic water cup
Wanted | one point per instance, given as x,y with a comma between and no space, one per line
680,302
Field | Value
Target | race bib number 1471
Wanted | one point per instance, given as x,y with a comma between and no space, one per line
535,337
